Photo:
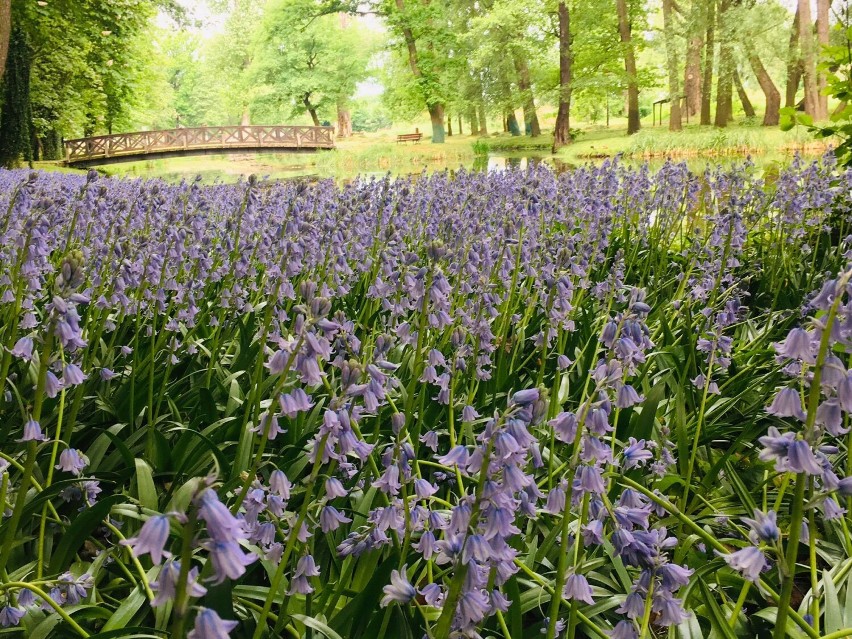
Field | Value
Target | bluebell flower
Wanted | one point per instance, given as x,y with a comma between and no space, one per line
26,598
764,525
399,590
797,345
23,349
166,583
787,403
331,519
11,616
228,559
635,454
669,609
279,484
624,630
633,606
152,539
208,625
801,459
472,607
832,510
577,588
458,456
749,562
72,461
221,524
32,432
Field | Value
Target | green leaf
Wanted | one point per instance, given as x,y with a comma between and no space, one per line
79,531
833,614
146,491
317,625
126,611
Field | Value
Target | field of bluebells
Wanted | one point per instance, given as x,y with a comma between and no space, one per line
610,403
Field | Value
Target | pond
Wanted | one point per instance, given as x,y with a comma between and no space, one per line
343,167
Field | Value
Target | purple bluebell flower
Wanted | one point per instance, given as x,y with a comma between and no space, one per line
32,432
636,454
577,588
787,403
458,456
23,349
228,559
209,625
151,539
331,519
52,385
764,525
279,484
624,630
749,562
72,461
11,616
399,590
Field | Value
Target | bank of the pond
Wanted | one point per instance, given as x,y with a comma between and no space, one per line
379,154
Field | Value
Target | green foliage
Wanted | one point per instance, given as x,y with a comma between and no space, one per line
837,65
304,63
14,121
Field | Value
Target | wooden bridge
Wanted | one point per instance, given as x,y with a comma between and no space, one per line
207,140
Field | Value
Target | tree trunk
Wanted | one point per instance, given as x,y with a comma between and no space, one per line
794,64
436,113
344,119
436,109
14,119
474,121
671,65
531,124
724,83
449,125
562,132
311,109
245,119
709,55
823,7
460,125
512,123
624,32
773,97
748,108
692,70
5,31
809,79
483,122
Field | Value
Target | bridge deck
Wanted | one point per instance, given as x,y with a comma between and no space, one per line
127,147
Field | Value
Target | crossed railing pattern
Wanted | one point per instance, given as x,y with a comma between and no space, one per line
207,137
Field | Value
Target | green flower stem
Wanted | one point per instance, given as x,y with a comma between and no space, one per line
143,576
547,586
264,436
291,542
49,480
788,575
46,598
646,615
697,436
442,629
181,606
812,557
32,450
715,544
732,621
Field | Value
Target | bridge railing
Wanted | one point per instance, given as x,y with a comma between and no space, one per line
207,137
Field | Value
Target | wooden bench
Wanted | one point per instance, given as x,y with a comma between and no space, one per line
409,137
